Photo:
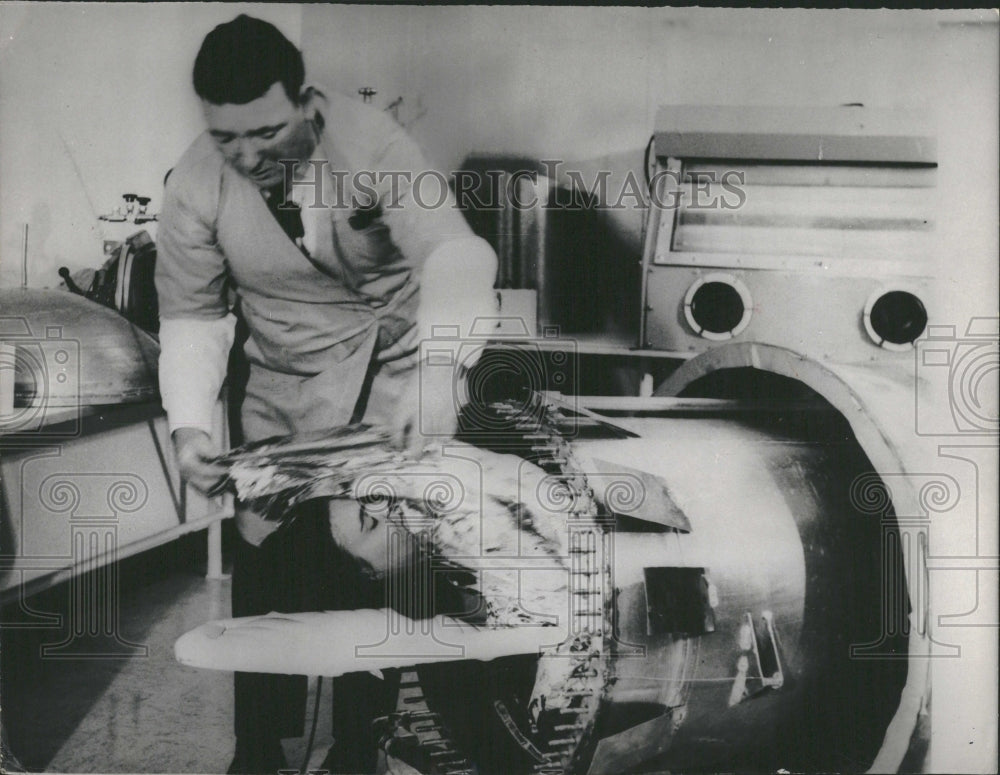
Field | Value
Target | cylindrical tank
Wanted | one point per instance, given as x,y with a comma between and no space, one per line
773,634
70,352
734,641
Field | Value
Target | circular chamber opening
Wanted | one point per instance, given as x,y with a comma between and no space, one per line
895,319
505,374
718,306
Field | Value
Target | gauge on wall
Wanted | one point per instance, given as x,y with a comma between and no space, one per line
894,318
718,306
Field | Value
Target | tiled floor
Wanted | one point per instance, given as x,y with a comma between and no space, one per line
140,711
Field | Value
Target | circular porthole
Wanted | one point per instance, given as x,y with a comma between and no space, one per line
894,319
718,306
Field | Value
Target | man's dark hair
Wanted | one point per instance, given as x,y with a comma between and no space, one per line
240,60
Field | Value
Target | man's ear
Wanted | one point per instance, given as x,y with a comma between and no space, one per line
306,95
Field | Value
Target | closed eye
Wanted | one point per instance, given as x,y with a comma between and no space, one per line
368,521
267,132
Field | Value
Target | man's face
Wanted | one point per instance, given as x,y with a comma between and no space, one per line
255,136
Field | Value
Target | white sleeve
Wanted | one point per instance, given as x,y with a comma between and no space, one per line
194,355
456,291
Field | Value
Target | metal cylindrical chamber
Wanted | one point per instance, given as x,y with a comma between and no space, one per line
71,352
737,642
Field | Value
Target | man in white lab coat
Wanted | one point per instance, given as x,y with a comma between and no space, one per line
336,287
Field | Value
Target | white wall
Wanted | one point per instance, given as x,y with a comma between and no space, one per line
580,84
584,84
95,100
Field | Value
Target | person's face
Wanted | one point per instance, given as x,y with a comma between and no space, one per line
365,533
254,137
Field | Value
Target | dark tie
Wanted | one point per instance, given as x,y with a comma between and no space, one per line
286,213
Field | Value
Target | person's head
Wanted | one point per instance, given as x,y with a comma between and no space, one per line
365,530
250,80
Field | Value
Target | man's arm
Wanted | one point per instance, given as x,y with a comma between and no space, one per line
456,293
456,287
193,358
196,330
456,271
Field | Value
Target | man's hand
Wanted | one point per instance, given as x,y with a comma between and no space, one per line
427,413
194,448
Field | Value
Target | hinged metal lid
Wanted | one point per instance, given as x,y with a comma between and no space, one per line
70,351
849,133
